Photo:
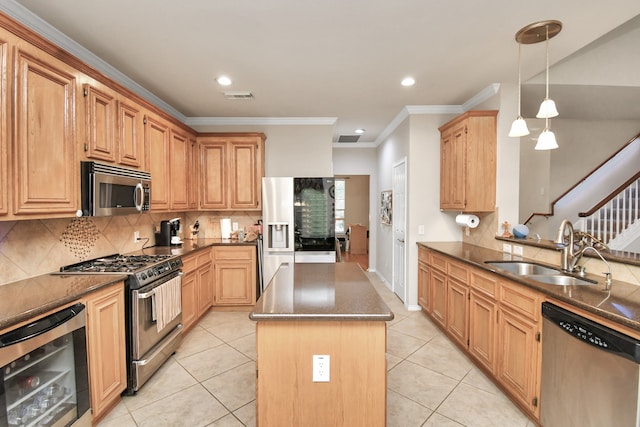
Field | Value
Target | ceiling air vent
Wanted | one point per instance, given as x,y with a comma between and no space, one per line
243,94
348,138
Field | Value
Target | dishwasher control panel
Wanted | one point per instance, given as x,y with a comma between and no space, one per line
592,333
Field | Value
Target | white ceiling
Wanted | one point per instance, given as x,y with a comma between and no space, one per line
341,59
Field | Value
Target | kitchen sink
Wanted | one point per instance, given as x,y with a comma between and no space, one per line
558,279
522,268
540,273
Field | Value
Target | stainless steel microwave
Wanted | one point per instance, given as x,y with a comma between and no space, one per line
112,190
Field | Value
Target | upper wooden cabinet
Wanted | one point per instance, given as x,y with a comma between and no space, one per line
231,171
130,135
45,167
4,141
180,158
100,123
157,149
468,162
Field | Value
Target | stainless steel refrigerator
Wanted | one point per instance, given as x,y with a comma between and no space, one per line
298,216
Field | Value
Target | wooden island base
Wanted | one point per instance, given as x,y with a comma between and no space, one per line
356,392
324,310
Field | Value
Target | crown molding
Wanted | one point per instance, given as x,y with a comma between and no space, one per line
49,32
354,145
261,121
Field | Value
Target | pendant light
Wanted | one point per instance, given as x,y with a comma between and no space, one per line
531,34
519,126
548,107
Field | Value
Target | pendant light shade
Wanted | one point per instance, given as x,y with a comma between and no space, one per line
546,140
519,126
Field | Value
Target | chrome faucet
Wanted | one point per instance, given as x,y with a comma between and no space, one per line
567,247
607,275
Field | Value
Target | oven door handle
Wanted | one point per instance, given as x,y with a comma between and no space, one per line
146,295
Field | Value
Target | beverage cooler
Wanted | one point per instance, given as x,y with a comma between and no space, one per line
44,372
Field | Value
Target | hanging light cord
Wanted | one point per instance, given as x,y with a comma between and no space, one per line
547,27
519,79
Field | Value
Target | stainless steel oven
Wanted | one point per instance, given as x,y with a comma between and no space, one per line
153,310
45,378
112,190
154,340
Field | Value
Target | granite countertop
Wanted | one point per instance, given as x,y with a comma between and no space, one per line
321,292
28,298
25,299
621,303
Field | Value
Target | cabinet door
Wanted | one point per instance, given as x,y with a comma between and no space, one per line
233,283
189,300
423,286
157,152
4,141
180,161
482,329
205,289
244,174
193,174
100,122
457,309
213,177
44,158
453,163
130,131
438,294
518,349
106,347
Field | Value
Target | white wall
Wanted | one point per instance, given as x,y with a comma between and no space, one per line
291,150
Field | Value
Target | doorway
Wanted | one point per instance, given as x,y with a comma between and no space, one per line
399,223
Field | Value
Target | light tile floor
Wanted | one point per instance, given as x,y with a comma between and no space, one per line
210,381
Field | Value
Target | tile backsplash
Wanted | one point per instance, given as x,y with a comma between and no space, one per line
34,247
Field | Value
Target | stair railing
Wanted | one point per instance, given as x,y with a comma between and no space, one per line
615,213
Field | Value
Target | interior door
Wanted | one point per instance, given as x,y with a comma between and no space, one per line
399,221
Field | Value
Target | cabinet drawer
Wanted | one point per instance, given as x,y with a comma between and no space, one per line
189,263
485,284
438,261
521,299
204,257
241,253
458,271
423,255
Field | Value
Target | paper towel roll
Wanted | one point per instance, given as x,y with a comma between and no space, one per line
470,221
225,228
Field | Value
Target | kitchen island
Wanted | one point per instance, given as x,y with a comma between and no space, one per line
321,310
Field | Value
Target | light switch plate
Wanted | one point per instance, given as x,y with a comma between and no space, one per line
506,248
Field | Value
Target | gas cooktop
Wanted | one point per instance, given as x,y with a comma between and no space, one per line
115,263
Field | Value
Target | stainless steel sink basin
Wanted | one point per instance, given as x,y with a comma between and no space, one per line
561,280
522,268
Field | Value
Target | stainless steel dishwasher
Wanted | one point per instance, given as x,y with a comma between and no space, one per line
590,373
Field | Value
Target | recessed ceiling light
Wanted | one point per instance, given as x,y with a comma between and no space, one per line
359,131
408,81
223,81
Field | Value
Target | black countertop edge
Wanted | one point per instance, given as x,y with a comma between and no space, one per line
622,257
589,298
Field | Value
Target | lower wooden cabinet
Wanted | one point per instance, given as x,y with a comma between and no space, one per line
106,348
496,321
197,288
234,275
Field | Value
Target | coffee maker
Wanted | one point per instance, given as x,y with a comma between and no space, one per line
169,233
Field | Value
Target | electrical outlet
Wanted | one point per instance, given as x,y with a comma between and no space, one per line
517,250
421,229
506,248
321,365
136,236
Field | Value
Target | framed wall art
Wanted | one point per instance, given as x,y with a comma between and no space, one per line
386,207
